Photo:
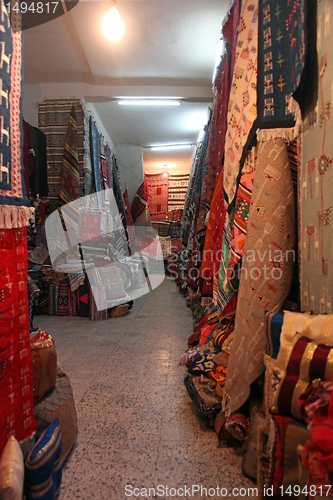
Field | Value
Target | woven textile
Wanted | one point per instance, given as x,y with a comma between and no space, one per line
72,307
177,191
158,189
53,117
266,269
242,109
82,299
69,189
234,235
242,208
316,180
37,161
53,299
95,146
281,58
109,162
63,294
308,361
129,219
224,294
87,168
16,402
104,169
122,243
215,195
222,83
43,298
14,211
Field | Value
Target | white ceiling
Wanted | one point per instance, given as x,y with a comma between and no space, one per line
168,49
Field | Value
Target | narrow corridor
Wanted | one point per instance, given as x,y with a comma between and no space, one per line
137,425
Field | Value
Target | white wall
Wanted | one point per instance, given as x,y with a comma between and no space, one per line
130,163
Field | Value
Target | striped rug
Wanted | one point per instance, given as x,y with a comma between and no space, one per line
177,191
53,117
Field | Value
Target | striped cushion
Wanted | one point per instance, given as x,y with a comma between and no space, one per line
308,361
43,469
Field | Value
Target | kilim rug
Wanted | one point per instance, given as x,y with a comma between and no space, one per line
53,299
234,235
266,269
63,293
95,145
316,181
104,169
87,168
158,189
53,117
72,307
242,109
82,299
43,298
109,162
16,402
14,211
242,208
281,57
222,84
122,243
70,177
37,167
129,220
177,191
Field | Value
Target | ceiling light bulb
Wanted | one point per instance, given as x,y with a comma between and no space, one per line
112,25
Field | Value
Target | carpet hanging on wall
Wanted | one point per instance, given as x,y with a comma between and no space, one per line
242,110
14,204
177,191
266,270
16,399
158,189
316,181
53,117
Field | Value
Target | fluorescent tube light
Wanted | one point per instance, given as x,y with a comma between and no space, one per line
171,146
149,102
201,135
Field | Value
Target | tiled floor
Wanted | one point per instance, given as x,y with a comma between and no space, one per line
137,424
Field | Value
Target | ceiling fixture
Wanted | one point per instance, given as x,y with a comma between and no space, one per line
171,146
152,101
112,24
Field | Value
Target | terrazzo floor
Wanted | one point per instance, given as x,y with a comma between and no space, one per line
137,425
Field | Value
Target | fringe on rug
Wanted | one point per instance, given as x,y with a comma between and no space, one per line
287,134
12,217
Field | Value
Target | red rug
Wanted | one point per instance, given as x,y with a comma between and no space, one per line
16,402
158,188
